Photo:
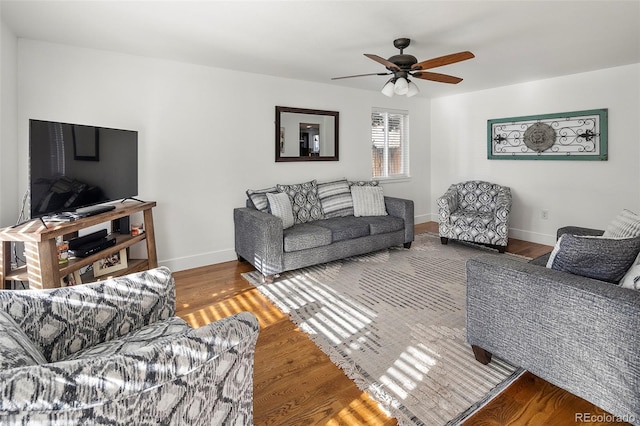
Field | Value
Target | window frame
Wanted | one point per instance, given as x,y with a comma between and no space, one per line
404,140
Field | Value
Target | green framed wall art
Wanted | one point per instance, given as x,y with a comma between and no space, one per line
576,135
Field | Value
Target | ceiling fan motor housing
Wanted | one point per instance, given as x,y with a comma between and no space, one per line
405,62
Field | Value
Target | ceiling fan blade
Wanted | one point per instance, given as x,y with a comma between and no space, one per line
434,76
383,61
361,75
443,60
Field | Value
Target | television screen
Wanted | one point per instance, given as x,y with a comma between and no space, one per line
72,166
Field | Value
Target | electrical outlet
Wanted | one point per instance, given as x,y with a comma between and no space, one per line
544,214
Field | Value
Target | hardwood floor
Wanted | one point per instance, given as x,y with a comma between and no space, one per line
295,383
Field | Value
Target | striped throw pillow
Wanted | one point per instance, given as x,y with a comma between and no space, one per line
258,197
335,198
280,206
625,225
368,201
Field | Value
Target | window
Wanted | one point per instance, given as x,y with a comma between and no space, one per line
390,143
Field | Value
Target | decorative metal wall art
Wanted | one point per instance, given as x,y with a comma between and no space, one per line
577,135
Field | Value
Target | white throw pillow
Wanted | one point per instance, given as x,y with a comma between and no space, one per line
280,206
368,201
632,278
625,225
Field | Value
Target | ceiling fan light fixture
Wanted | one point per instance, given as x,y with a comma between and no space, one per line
387,90
401,86
413,89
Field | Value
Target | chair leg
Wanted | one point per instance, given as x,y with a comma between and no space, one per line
444,240
482,356
407,245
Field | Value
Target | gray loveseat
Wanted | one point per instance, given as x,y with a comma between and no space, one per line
114,353
261,239
578,333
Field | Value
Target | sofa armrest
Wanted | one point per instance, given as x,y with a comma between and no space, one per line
65,320
402,208
503,205
447,203
202,376
575,332
259,239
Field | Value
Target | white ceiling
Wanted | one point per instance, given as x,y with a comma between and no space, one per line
514,41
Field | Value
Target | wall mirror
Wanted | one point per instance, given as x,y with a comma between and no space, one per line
306,134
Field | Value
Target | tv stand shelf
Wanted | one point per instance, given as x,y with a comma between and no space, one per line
42,269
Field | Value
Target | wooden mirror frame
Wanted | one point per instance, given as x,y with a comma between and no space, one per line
311,112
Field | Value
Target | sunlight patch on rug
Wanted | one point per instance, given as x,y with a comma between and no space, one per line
394,321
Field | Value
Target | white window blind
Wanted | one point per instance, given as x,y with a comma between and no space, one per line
390,143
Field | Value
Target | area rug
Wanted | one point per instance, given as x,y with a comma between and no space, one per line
394,321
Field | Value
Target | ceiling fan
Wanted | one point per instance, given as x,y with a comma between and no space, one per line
403,66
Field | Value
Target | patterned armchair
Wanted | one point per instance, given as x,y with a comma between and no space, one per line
114,353
475,211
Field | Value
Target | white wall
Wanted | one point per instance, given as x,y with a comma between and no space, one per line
205,135
585,193
9,199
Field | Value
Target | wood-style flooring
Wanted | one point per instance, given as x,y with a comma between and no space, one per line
295,383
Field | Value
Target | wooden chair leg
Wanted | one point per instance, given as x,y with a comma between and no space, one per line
482,356
444,240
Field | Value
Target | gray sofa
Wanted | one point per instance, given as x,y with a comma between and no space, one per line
578,333
261,240
114,353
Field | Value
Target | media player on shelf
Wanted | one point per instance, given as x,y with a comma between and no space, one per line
93,247
77,242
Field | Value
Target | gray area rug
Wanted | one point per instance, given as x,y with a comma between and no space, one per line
394,321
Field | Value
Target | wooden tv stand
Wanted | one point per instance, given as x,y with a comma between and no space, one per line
42,269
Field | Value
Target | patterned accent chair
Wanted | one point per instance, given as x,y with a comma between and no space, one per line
113,352
475,211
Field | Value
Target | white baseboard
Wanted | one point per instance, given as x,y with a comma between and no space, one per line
213,257
423,218
520,234
534,237
198,260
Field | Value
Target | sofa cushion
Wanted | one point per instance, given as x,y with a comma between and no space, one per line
471,219
625,225
305,236
258,198
132,342
384,224
335,198
304,201
280,206
368,201
605,259
16,349
345,228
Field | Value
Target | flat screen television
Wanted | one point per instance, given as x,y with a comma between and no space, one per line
73,166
